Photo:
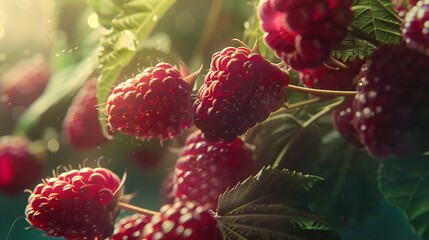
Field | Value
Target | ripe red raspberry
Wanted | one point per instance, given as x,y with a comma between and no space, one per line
155,103
240,90
304,32
81,126
391,104
130,227
183,221
20,167
416,26
23,84
332,78
78,204
342,119
206,169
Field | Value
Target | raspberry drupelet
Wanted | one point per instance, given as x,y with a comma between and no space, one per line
155,103
20,167
240,90
391,106
183,221
130,227
81,127
77,204
206,169
303,33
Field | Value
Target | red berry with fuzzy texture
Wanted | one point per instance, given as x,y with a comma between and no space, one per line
206,169
78,204
416,26
81,126
23,84
391,103
304,32
241,89
155,103
20,167
130,227
183,221
333,77
342,119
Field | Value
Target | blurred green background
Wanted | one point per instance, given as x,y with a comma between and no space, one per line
64,32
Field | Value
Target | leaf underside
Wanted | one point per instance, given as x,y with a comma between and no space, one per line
404,182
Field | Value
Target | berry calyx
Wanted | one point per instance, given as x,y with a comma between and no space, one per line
155,103
20,166
183,221
206,169
391,106
77,204
81,126
240,89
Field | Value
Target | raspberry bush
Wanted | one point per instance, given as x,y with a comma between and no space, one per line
255,119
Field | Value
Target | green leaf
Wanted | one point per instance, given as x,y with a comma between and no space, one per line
65,82
375,20
349,192
271,205
404,182
106,10
131,27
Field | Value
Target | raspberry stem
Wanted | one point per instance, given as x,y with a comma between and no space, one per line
304,126
321,92
135,209
302,103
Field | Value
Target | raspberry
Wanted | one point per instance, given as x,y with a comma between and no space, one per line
168,191
20,168
416,26
78,204
304,32
206,169
155,103
130,227
240,90
183,221
332,78
146,159
391,106
23,84
81,126
342,119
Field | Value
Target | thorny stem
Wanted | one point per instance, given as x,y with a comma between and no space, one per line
209,29
321,92
304,126
135,209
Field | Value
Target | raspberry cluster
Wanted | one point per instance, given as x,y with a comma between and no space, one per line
342,119
240,89
206,169
155,103
304,32
391,106
20,168
81,126
77,204
415,29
